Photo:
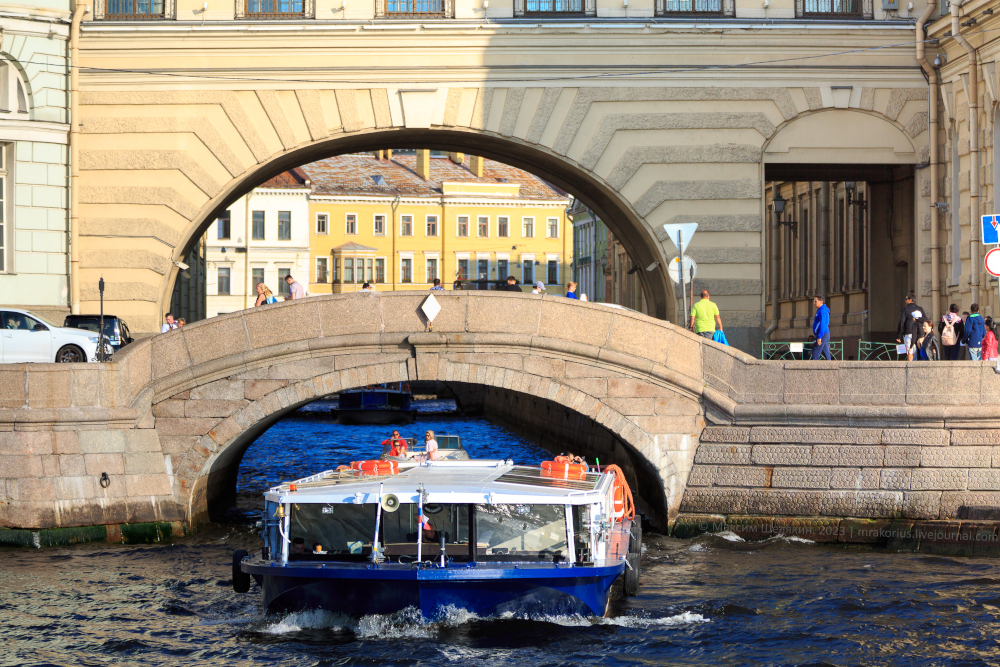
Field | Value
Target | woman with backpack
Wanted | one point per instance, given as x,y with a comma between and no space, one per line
990,340
951,329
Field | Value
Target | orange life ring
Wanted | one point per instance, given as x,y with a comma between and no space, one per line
378,467
623,506
564,468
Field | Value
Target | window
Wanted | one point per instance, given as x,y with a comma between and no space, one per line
134,9
463,225
257,277
432,225
284,225
223,281
406,270
275,9
348,270
379,270
321,266
553,277
463,269
503,226
483,269
528,228
379,225
503,269
413,7
670,7
351,224
4,227
553,228
528,271
432,270
335,274
322,223
838,8
483,227
406,225
369,264
553,6
224,226
258,225
282,283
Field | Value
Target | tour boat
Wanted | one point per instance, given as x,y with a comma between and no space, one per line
497,538
378,404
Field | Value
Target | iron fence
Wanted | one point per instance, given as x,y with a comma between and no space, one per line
790,351
872,351
725,8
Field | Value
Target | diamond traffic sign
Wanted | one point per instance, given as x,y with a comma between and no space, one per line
430,307
681,232
990,235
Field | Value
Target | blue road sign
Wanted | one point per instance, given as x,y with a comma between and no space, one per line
990,234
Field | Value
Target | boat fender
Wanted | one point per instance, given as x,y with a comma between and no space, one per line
241,580
630,586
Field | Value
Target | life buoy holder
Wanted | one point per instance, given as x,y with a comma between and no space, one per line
377,467
623,505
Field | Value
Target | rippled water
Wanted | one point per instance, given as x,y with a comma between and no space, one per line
714,600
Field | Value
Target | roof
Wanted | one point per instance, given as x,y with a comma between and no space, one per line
365,174
354,247
474,481
293,179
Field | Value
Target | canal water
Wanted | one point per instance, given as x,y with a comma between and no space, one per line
709,601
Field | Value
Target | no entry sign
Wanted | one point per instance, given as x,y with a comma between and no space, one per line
992,262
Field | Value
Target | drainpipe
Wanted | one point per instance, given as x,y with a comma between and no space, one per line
74,162
933,82
774,265
973,95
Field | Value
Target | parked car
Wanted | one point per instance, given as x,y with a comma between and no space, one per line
26,337
115,328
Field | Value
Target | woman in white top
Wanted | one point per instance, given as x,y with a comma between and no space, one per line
431,445
539,287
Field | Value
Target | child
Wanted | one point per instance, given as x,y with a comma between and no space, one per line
990,340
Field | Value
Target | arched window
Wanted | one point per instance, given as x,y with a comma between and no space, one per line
13,92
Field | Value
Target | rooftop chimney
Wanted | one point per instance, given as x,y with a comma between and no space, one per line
476,166
457,158
423,167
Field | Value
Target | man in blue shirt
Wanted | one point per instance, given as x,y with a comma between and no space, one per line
975,329
821,328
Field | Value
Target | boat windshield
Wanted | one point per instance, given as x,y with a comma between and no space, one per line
339,530
449,442
521,530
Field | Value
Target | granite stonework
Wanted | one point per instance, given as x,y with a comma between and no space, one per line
700,428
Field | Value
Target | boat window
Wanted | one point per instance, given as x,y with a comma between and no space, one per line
337,529
448,442
521,530
399,530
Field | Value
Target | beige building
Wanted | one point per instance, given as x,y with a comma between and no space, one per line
653,113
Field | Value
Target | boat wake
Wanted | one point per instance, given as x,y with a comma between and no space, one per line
410,623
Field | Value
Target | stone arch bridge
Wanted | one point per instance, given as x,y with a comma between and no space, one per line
699,427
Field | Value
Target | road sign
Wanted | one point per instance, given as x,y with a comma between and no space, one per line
992,262
674,269
681,233
990,235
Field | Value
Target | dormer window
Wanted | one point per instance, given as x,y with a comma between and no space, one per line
379,180
13,94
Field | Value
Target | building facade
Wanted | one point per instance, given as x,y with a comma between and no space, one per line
34,158
399,221
262,238
590,252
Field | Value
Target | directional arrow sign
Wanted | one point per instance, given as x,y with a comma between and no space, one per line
989,235
681,232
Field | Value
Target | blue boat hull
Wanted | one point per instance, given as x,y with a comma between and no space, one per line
485,589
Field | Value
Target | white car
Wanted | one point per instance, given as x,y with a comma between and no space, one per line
26,337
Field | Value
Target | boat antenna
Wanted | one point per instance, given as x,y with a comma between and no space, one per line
598,464
420,521
376,556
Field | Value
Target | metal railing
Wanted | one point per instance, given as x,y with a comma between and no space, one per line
872,351
842,9
696,8
782,350
274,9
414,9
555,7
133,10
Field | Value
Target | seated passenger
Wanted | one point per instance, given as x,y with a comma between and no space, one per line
298,545
430,534
572,458
396,444
431,445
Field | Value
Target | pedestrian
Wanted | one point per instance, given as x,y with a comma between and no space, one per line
169,324
295,290
181,322
437,285
821,329
264,295
705,317
571,290
539,287
511,285
990,340
367,287
975,329
926,347
951,329
907,326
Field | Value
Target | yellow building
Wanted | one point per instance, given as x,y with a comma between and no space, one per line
400,221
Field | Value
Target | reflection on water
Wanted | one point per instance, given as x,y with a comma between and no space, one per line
713,600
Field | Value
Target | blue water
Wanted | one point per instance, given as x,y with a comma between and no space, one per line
715,600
